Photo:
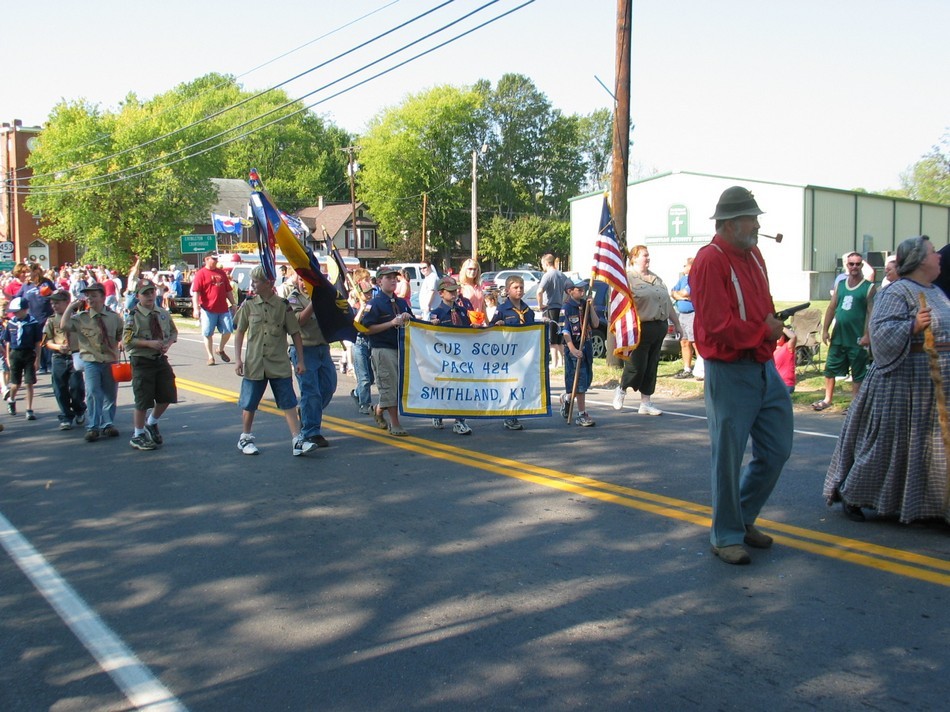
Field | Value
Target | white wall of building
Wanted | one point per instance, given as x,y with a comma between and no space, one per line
670,214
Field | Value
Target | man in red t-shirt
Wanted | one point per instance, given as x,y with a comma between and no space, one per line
212,301
112,299
736,330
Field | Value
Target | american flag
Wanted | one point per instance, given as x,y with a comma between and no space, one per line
609,267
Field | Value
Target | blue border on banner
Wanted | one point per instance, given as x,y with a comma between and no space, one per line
442,408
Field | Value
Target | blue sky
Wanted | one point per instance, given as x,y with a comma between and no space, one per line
842,94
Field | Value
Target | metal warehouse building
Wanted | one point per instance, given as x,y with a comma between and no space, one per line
670,214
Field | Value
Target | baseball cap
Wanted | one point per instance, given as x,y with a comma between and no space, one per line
449,284
386,270
18,303
60,295
94,287
144,286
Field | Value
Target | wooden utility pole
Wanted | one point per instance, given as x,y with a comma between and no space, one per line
475,205
351,169
425,203
621,144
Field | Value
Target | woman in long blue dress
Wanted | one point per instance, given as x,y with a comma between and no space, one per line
891,456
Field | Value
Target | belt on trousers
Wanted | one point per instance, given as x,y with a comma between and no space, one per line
918,347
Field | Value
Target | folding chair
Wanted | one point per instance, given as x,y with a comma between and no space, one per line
807,327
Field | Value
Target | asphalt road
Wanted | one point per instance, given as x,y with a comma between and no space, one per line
558,568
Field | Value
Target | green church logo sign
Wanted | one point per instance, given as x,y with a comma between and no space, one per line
678,223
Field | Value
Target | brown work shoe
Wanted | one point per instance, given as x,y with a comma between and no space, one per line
755,538
733,554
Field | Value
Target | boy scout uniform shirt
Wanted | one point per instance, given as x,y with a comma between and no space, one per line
23,334
510,315
138,325
571,322
383,308
310,333
92,347
444,312
267,323
54,334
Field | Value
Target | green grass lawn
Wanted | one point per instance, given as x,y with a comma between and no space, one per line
810,386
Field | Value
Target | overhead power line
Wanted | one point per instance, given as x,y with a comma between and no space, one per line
121,176
240,103
248,72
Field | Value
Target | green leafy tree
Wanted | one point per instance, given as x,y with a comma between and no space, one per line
536,158
534,162
929,178
523,240
421,146
129,182
112,215
596,139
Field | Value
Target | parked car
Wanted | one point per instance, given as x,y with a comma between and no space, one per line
488,280
669,351
531,277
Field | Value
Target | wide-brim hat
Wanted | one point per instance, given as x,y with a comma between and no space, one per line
736,202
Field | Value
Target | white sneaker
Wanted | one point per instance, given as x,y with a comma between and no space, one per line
461,428
437,423
584,420
619,395
565,402
300,446
247,446
647,408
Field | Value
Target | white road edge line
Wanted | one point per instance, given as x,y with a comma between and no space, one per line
131,676
703,417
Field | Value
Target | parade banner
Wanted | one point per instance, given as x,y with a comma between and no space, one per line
499,372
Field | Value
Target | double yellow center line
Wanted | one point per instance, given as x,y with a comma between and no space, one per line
895,561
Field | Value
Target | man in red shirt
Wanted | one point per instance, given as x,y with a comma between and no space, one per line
211,300
736,331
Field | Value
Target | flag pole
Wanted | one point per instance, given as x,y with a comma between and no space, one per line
328,245
577,369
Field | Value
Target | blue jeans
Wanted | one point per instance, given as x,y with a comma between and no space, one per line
101,392
586,365
317,385
68,388
745,399
364,370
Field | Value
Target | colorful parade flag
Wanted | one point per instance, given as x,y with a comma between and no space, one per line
226,224
332,313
